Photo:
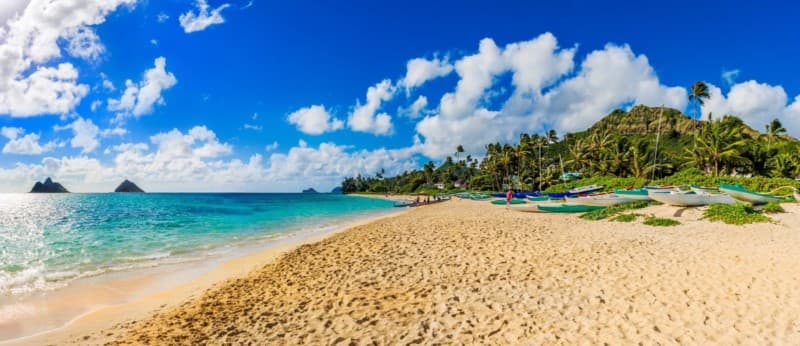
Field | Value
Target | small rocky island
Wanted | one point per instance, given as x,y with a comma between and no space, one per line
128,186
310,190
337,190
49,186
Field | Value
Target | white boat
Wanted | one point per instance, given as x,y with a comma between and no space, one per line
604,200
690,199
796,196
660,188
586,189
704,189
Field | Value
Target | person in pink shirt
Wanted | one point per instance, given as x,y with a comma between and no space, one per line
509,194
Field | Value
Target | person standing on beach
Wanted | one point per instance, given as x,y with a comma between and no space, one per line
509,194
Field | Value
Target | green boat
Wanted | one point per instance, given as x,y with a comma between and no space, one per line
513,201
742,194
480,197
539,199
568,208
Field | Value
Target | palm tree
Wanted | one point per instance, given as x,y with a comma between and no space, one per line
459,150
774,130
552,137
781,165
698,95
718,145
428,171
581,155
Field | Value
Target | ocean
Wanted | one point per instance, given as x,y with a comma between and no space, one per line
49,240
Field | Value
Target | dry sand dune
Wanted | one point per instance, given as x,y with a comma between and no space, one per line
469,272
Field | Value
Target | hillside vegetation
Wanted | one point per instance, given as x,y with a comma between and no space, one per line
617,151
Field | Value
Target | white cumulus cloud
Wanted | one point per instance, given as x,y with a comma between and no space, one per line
756,103
420,70
84,43
30,83
416,109
194,160
192,21
21,144
314,120
139,98
545,93
85,134
364,117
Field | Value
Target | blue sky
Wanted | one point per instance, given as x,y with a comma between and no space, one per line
273,96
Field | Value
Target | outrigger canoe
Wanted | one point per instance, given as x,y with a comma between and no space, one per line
604,200
704,189
634,194
539,199
690,199
568,208
742,194
513,201
586,189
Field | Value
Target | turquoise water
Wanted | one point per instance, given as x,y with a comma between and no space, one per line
48,240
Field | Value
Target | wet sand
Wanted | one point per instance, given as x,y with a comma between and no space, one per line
469,272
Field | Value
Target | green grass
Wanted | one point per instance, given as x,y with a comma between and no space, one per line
660,221
626,217
773,208
734,214
605,213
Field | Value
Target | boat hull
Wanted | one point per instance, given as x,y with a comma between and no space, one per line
738,192
502,201
635,194
603,200
585,189
704,189
691,199
568,208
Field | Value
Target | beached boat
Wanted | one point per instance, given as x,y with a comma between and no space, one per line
586,189
603,200
690,199
567,208
634,194
513,201
796,196
560,195
704,189
527,208
742,194
539,199
660,188
479,197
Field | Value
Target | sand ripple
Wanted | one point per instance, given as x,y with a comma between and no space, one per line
467,272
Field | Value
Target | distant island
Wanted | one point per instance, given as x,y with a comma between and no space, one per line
337,190
128,186
310,190
49,186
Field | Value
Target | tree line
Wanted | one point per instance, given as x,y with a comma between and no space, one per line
624,144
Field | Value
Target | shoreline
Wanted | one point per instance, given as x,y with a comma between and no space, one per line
467,272
158,291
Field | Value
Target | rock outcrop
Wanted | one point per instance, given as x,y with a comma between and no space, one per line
337,190
49,186
310,190
128,186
